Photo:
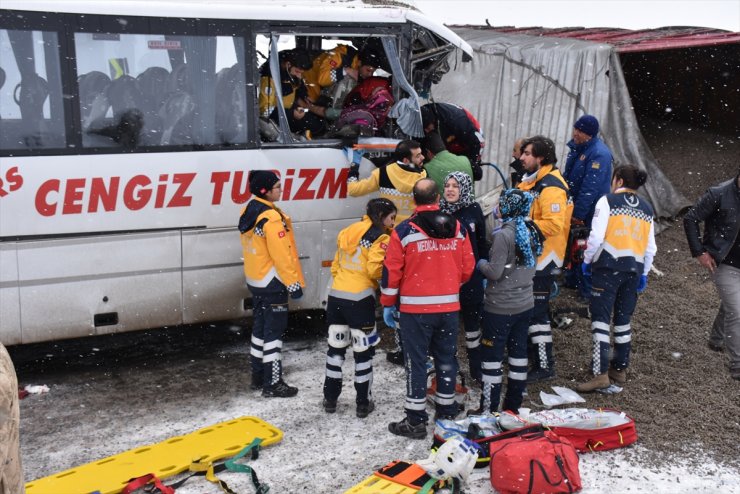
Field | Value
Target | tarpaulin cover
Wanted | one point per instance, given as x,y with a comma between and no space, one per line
518,85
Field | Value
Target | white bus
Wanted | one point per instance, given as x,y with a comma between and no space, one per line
127,130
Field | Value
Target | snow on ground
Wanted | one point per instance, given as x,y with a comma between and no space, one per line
323,453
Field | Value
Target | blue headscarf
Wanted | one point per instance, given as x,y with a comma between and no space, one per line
514,206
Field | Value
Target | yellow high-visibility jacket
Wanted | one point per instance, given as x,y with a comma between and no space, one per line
268,247
551,212
358,262
395,183
328,68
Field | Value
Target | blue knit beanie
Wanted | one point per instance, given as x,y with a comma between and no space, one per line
588,125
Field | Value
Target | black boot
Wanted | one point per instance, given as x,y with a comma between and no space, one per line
279,390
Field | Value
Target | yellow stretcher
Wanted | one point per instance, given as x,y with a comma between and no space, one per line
398,477
170,457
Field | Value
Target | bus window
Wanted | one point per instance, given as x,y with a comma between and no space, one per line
143,90
31,107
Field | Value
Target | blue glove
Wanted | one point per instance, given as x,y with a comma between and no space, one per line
586,269
295,295
480,263
642,285
388,317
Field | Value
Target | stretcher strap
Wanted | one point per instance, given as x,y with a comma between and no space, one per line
139,482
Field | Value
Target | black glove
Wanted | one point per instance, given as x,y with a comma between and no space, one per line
354,171
295,295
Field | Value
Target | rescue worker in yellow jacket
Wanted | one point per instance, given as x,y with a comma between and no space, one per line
350,310
550,211
395,181
300,116
273,272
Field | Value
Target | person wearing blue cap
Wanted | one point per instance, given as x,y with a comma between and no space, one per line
588,171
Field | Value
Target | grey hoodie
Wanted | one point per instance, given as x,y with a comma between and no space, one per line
509,289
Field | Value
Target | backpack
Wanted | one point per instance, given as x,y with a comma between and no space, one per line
539,462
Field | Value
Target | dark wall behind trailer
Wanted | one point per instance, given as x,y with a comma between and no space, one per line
700,86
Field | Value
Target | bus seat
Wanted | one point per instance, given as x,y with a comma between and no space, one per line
177,118
153,85
94,102
30,95
124,94
231,105
178,80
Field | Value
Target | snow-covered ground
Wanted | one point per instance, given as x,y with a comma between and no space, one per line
322,453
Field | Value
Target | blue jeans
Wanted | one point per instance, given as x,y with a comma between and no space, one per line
613,293
436,335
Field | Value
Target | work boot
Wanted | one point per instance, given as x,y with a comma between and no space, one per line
618,376
598,382
279,390
395,358
330,406
539,375
364,409
406,429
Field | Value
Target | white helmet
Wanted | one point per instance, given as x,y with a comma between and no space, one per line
455,458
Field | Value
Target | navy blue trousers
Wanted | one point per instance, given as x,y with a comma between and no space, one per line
432,334
613,297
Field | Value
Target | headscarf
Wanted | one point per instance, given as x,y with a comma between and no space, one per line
514,206
466,193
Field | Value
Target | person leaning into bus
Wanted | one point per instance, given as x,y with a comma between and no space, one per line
273,272
350,309
618,258
294,93
395,181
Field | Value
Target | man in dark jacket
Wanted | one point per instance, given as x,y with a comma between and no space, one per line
719,252
588,171
428,258
460,131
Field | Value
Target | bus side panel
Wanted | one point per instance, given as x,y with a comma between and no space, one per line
10,314
308,241
128,281
213,282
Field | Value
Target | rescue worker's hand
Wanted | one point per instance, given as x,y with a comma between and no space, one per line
388,317
354,171
295,295
586,269
480,264
642,284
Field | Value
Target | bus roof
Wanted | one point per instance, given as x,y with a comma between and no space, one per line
290,10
